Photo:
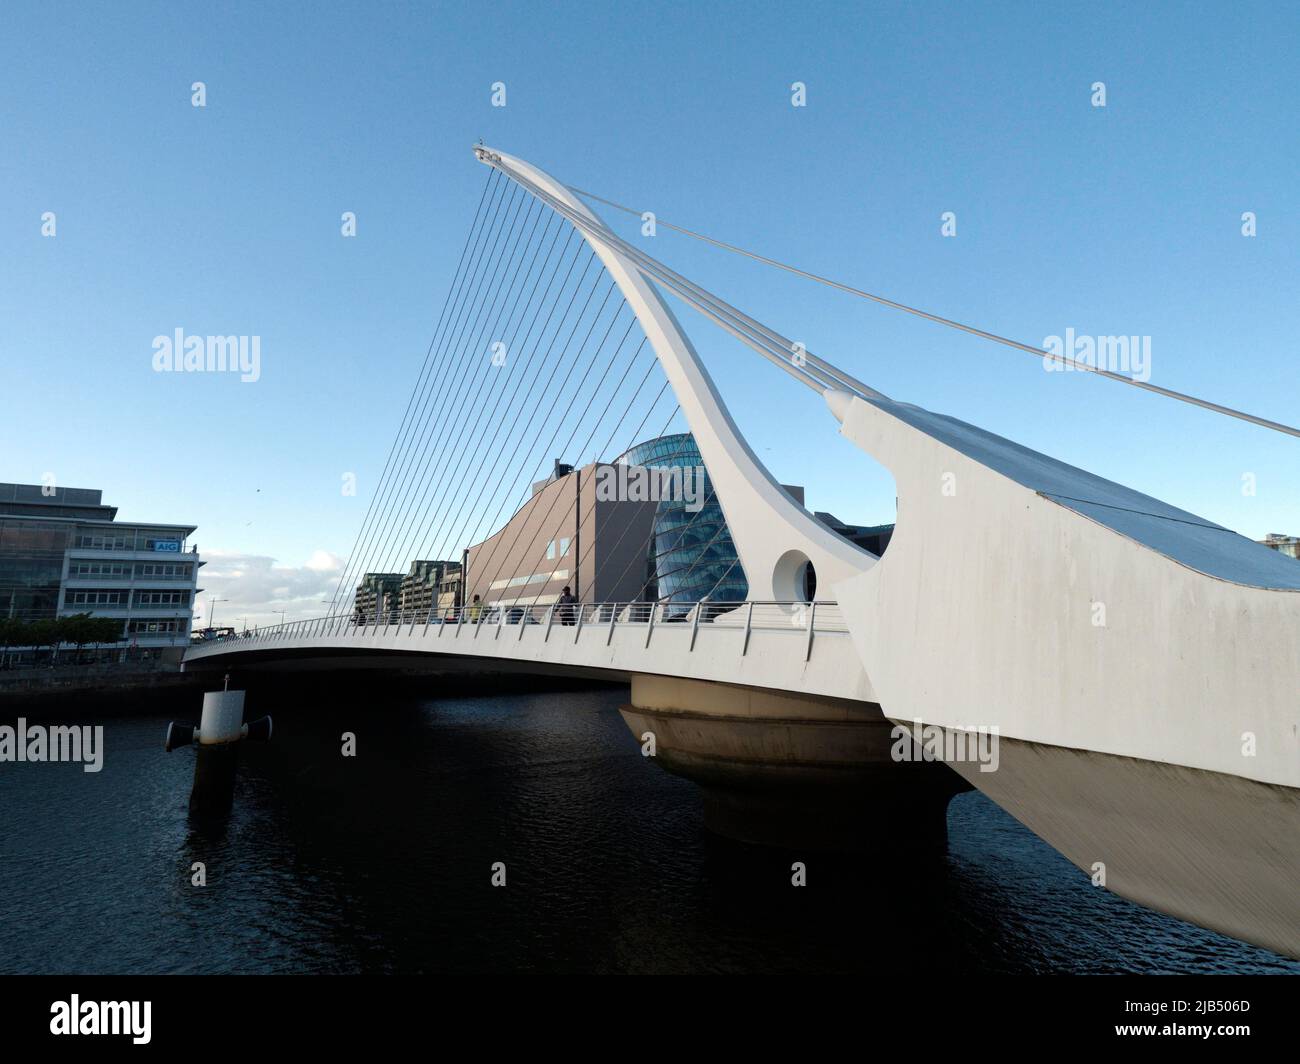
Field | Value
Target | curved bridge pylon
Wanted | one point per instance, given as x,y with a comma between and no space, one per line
775,537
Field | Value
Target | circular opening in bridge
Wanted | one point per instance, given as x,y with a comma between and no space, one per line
794,579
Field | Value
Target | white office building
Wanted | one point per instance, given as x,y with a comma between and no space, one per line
63,552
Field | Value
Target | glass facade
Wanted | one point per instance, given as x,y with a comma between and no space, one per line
31,567
692,556
134,539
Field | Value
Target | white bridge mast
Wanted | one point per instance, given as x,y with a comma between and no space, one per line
775,537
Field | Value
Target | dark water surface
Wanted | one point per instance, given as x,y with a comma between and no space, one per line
382,862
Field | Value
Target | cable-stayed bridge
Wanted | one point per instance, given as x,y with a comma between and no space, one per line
1119,674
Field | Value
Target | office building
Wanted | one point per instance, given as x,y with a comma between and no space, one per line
63,552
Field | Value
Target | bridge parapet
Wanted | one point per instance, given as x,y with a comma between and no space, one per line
792,646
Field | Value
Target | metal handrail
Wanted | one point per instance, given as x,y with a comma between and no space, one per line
751,615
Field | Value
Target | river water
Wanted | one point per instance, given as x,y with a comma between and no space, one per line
382,862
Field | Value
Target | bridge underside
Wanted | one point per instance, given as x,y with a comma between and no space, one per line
312,660
1209,847
779,768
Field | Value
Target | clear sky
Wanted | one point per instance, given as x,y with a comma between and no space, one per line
225,219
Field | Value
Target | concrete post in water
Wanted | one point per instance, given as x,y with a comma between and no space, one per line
220,729
223,717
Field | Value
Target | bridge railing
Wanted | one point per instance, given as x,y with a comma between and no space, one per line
492,620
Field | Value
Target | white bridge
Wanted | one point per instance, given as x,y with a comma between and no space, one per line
1155,741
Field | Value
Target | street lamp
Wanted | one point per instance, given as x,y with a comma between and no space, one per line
212,610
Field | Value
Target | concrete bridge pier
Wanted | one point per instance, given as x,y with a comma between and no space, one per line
217,738
793,770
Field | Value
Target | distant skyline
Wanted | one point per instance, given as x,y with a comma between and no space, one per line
1068,218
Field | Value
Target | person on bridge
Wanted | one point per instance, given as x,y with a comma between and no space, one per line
567,602
475,610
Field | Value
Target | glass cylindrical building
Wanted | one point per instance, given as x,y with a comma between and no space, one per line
692,556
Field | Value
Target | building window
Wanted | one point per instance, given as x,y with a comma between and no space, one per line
81,568
101,541
162,598
154,626
95,598
160,571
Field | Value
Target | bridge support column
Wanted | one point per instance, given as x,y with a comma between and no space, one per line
791,770
220,730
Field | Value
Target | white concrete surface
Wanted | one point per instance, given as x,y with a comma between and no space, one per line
1020,592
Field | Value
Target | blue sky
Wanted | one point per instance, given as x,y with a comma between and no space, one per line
225,219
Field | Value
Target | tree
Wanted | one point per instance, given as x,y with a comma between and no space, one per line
76,630
12,633
43,632
106,630
82,628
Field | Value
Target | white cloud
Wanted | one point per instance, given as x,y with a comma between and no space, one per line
323,561
256,590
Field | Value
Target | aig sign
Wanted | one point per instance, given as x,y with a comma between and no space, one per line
167,546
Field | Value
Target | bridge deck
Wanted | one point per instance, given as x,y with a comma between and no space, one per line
782,646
